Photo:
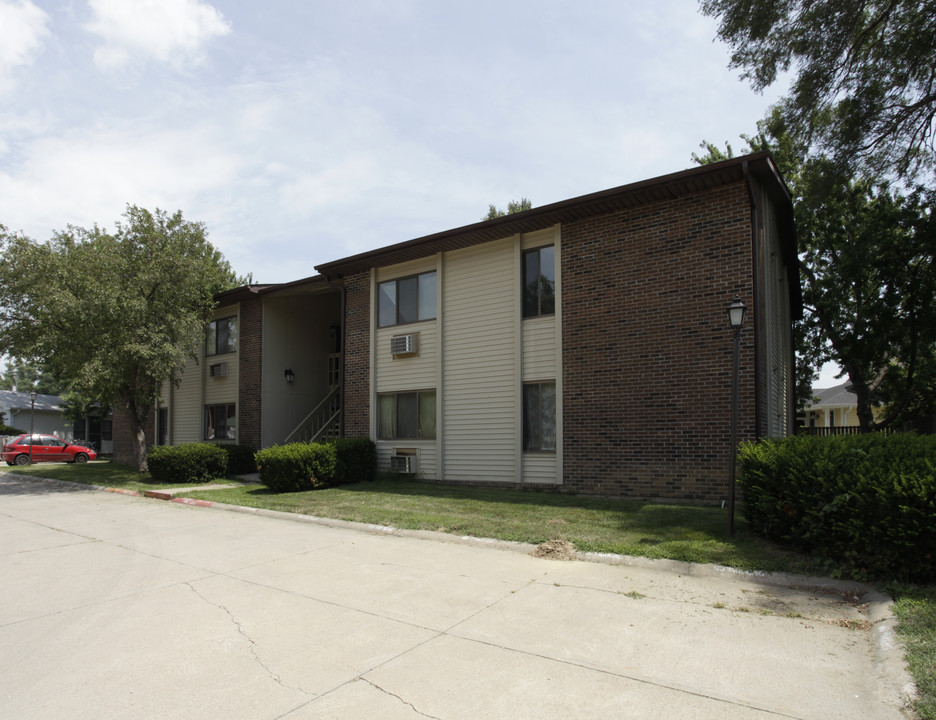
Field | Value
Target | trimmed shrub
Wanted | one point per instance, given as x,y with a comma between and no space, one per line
297,466
867,502
190,463
356,460
11,431
240,459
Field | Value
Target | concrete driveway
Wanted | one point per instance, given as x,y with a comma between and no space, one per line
122,607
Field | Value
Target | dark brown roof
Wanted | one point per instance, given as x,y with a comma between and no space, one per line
666,187
248,292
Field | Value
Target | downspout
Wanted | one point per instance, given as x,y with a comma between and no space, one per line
758,300
339,286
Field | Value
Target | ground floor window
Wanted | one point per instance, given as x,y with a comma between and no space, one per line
408,415
220,422
539,416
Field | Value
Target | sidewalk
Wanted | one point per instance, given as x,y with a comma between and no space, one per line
115,606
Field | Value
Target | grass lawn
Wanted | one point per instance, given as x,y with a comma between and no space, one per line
680,532
916,614
98,472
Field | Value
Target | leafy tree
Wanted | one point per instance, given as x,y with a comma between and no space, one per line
26,376
869,278
863,86
116,314
512,207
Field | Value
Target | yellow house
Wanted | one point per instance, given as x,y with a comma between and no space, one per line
833,407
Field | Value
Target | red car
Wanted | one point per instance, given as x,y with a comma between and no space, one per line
45,448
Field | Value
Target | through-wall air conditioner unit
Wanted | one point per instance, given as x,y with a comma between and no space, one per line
404,345
218,370
402,464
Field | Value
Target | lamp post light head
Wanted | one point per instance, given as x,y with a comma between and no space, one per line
32,395
736,312
289,375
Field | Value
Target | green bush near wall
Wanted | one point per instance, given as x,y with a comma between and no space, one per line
8,430
240,459
356,460
865,502
190,463
297,466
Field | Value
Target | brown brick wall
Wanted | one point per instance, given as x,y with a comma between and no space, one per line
250,367
356,407
647,351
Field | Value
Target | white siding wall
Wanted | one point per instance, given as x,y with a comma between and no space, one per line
186,407
780,371
476,354
196,389
481,400
541,361
409,373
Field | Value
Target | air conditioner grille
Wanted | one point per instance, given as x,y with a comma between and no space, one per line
218,370
401,463
404,344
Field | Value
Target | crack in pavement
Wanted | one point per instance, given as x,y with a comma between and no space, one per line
250,642
394,695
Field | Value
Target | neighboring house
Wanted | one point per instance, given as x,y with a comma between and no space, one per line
17,408
834,407
582,346
49,419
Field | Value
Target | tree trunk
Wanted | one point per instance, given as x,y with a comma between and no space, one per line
139,448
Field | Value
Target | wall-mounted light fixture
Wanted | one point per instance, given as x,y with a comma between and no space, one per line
290,375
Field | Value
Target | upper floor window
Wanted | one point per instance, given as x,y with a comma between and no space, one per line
539,281
407,300
222,336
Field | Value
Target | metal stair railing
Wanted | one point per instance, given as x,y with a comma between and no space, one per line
322,422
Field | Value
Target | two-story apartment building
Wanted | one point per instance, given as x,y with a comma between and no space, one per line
581,345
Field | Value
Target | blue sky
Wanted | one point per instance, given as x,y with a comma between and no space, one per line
302,132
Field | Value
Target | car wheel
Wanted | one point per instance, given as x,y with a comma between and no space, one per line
22,460
81,458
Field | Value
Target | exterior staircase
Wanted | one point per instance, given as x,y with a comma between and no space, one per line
323,423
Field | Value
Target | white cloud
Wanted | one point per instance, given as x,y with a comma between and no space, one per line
169,31
88,176
22,30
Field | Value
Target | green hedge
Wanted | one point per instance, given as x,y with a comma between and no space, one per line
297,466
356,460
8,430
867,502
190,463
240,459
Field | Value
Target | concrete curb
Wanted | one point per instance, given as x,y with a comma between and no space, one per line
895,684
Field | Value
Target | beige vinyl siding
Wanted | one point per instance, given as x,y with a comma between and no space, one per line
539,467
186,409
408,373
779,354
539,348
541,362
481,393
223,390
427,466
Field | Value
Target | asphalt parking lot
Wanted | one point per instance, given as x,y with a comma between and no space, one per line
124,607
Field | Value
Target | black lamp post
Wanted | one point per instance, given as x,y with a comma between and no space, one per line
32,421
736,312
